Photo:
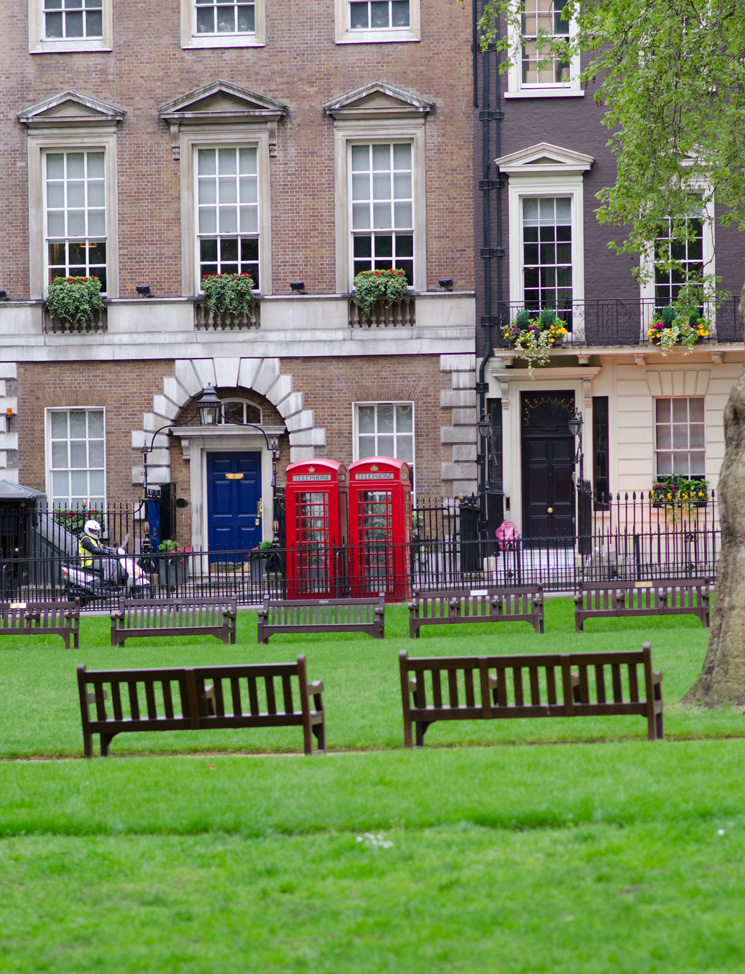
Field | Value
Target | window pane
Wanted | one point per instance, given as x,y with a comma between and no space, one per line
680,410
367,446
404,417
59,424
696,410
78,425
385,418
366,416
59,455
405,448
61,484
402,156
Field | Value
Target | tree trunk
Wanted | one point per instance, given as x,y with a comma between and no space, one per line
722,679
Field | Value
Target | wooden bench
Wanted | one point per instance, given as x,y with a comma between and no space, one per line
42,619
322,615
682,596
200,698
438,607
552,685
173,617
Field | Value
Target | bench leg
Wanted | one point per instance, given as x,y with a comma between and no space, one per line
319,731
106,739
421,729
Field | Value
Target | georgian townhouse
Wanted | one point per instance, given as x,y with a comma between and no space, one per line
647,412
153,144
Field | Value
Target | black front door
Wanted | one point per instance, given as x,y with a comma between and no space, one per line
548,465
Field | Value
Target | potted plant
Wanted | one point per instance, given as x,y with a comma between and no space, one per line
533,336
229,294
677,491
258,557
673,327
173,564
74,300
370,286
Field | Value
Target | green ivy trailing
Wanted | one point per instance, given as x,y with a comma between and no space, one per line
371,285
75,299
229,294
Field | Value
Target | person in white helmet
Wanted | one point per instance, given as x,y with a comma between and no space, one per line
90,547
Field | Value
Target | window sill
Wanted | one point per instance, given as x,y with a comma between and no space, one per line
546,93
377,37
215,42
71,47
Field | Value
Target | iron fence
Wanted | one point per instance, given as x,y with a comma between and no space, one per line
631,537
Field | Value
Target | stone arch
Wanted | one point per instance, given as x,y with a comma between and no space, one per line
190,376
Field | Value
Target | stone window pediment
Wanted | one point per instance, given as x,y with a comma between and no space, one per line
71,109
544,158
378,100
222,103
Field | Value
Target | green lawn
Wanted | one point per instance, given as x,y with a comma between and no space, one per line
201,853
362,697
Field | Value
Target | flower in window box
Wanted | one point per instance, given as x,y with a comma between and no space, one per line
533,336
229,294
74,299
370,286
677,328
677,491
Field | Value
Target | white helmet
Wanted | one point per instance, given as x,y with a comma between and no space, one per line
94,528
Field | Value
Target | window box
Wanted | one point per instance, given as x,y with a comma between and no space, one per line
396,314
52,325
204,321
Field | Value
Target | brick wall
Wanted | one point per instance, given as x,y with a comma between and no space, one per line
300,66
330,393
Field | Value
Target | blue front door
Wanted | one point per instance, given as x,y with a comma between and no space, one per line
233,496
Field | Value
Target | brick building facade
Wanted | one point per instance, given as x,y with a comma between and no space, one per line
150,144
647,412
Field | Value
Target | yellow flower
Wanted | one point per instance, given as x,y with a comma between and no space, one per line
669,497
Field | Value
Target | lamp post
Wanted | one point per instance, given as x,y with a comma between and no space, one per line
583,489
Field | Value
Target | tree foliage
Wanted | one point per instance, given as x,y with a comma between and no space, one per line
671,77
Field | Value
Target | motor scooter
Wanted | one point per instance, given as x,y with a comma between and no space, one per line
119,574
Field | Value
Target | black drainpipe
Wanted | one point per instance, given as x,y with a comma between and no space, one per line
489,182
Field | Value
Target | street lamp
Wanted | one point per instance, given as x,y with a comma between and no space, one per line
575,428
209,409
584,490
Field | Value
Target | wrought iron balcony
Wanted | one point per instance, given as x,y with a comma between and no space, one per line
610,322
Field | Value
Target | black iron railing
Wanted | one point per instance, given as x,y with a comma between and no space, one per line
631,537
621,322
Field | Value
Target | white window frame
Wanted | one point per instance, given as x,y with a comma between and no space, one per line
256,278
49,469
366,131
218,136
384,402
563,89
647,287
391,35
39,143
190,38
549,185
39,44
672,450
67,239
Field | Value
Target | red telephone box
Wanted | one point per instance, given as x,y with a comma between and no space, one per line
316,529
380,527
